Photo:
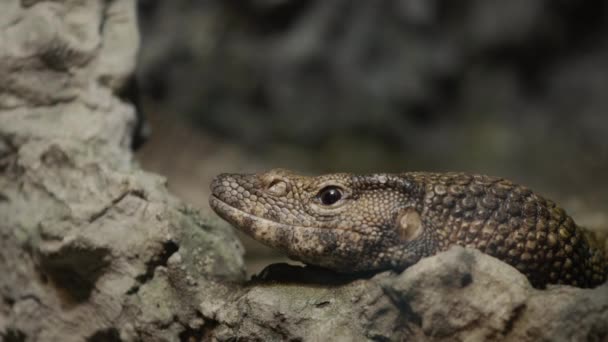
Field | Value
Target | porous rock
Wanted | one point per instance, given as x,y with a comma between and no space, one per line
458,295
463,294
87,235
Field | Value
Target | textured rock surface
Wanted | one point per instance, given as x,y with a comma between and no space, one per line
85,234
460,295
465,295
92,248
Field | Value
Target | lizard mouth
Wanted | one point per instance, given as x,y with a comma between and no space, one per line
245,221
271,233
308,244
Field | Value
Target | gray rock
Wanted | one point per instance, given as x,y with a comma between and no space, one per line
459,295
85,233
466,295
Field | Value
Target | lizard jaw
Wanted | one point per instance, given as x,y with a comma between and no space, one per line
311,245
268,232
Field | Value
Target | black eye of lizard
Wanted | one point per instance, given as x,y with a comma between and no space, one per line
330,195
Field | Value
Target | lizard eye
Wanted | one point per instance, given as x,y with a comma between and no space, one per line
330,195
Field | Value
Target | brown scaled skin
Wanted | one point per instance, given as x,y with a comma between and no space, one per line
352,223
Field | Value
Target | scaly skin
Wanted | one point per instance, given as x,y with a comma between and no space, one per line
390,221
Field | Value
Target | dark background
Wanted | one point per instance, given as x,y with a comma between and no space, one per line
510,88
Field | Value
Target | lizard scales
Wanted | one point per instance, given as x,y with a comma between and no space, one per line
352,223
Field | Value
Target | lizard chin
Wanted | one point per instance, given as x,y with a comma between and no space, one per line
329,248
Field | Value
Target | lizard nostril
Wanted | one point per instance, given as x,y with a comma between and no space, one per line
278,187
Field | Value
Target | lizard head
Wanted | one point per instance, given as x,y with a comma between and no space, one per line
340,221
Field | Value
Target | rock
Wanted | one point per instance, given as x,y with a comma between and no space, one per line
464,294
353,311
460,294
86,235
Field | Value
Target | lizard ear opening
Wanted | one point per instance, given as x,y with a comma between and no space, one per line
409,225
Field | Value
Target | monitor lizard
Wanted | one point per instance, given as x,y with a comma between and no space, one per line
351,223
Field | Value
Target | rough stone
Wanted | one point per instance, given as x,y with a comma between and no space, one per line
464,294
86,234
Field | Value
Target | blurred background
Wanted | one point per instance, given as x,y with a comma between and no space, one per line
515,88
